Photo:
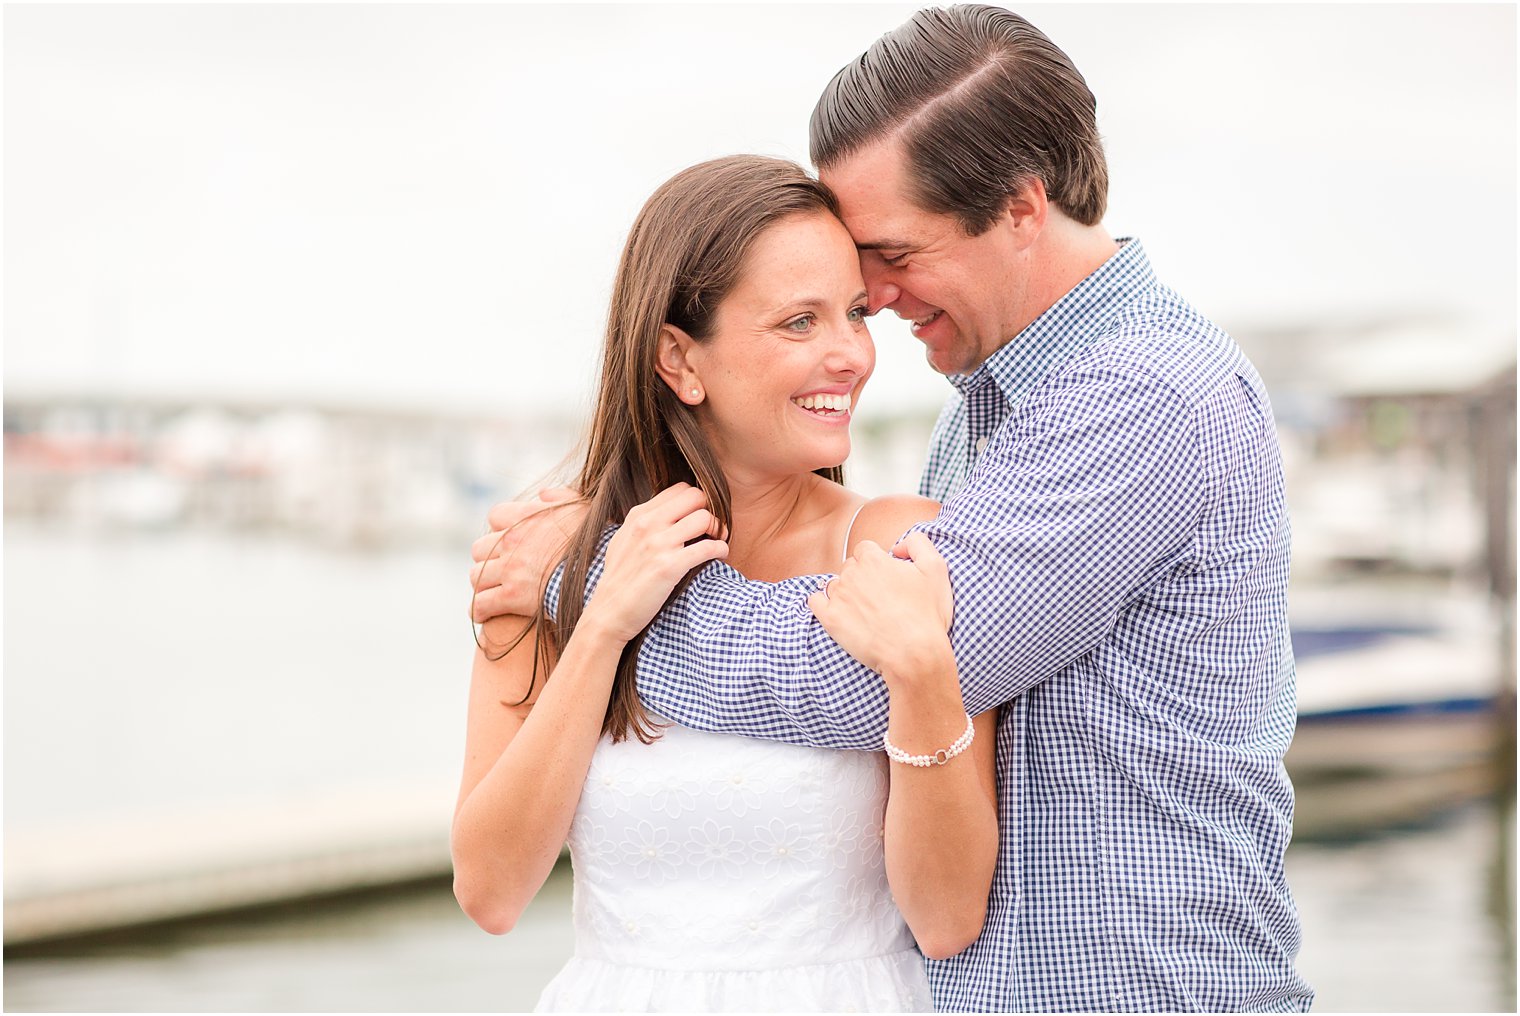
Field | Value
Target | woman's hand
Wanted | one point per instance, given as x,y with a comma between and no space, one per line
891,611
649,555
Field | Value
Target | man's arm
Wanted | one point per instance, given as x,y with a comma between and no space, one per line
1085,497
1089,497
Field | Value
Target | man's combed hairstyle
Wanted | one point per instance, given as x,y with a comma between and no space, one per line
981,102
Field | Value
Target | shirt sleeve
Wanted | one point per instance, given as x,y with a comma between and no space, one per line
1084,497
1090,496
747,657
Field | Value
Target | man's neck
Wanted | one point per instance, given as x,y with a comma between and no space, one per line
1067,253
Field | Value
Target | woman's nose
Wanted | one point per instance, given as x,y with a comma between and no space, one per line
853,353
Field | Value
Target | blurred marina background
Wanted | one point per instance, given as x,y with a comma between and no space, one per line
293,294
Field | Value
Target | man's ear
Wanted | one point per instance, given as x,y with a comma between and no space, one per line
673,361
1027,211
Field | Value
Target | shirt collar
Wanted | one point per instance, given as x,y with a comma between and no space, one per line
1079,317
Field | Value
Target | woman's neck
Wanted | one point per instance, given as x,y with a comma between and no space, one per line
766,516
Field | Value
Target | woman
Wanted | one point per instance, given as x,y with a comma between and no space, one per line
717,872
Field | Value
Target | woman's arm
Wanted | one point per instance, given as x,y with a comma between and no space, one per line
942,824
942,831
525,764
524,768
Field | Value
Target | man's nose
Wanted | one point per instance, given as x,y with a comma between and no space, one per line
880,293
880,296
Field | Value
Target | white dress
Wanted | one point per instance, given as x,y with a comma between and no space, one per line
722,873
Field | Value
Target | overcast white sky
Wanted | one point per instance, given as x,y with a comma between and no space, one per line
424,205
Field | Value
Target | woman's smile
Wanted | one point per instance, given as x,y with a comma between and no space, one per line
826,406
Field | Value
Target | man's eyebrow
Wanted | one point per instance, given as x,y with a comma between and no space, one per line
883,245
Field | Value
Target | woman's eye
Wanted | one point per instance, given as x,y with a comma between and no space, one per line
800,325
857,315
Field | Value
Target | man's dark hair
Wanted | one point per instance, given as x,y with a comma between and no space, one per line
981,102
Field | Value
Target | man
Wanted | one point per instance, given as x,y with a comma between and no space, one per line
1116,531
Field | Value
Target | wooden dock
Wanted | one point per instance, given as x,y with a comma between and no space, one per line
62,882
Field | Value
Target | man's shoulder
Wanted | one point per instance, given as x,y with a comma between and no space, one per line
944,460
1161,336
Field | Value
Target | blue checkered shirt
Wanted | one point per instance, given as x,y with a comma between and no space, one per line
1115,526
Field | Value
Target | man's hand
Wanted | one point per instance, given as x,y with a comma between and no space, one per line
891,610
526,539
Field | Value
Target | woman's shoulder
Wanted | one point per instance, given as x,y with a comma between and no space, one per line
883,520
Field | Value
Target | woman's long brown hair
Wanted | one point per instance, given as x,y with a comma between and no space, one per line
685,253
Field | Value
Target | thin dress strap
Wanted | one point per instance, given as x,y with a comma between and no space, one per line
848,529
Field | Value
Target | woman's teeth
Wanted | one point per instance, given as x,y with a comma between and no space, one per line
829,403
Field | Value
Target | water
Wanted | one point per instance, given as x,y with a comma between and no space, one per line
1412,919
1418,918
165,674
150,679
408,950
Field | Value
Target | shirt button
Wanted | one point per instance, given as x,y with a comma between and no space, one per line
981,445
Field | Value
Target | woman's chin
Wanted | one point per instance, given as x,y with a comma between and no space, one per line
797,459
835,457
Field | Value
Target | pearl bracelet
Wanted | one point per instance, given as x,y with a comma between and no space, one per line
940,757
